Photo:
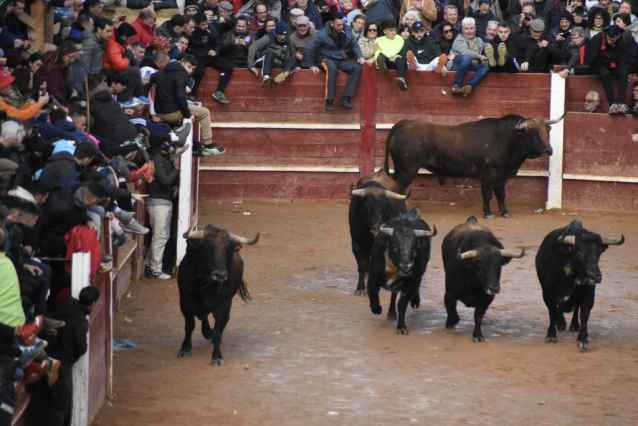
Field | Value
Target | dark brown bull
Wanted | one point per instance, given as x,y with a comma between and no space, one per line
490,150
210,275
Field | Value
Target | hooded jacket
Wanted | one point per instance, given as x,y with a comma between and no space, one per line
236,53
62,129
114,54
327,45
70,343
298,44
117,128
165,178
425,51
60,164
203,41
93,47
269,43
76,31
145,34
170,89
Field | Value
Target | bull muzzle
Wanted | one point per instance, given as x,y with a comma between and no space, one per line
220,275
493,290
548,152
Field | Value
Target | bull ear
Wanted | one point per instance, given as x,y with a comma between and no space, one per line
522,125
235,247
356,192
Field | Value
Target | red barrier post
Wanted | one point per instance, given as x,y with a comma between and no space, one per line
368,119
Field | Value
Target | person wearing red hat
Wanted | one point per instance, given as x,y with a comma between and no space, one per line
28,110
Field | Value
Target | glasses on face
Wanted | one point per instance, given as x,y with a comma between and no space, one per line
447,31
590,101
372,30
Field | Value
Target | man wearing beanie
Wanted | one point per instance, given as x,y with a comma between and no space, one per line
276,53
300,39
329,46
537,48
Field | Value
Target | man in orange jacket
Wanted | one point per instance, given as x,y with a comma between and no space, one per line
118,57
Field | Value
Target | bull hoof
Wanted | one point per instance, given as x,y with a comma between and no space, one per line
549,339
403,331
184,354
392,316
415,303
506,214
360,292
478,339
561,327
574,328
217,361
376,309
489,216
582,345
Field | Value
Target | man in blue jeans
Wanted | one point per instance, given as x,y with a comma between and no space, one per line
469,52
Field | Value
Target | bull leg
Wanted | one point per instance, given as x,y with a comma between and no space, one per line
207,332
189,319
486,190
416,301
363,265
585,309
479,312
222,315
552,307
404,176
392,311
402,307
452,315
575,325
500,197
373,294
561,324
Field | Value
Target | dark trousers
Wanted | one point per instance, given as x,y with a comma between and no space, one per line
270,61
8,399
604,71
31,288
331,68
41,299
398,65
57,398
216,62
134,87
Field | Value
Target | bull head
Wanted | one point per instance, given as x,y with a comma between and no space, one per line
504,253
198,235
417,232
523,124
389,194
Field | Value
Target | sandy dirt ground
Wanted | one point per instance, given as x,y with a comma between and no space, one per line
306,351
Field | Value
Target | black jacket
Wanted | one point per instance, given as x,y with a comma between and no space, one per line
165,178
22,176
71,341
600,52
117,127
60,164
63,210
201,42
170,89
537,57
166,30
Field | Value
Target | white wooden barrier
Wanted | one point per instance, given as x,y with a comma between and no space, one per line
185,197
80,273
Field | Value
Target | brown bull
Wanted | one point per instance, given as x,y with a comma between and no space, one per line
490,150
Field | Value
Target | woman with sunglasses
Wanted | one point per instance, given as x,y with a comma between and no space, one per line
445,38
368,42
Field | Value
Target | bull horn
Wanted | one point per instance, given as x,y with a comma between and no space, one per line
521,125
387,231
394,195
467,255
550,122
194,235
419,233
241,240
567,239
512,253
612,242
356,192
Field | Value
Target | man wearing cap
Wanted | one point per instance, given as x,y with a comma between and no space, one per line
292,19
26,112
422,52
537,48
300,39
236,42
469,56
311,11
329,48
206,44
502,52
225,21
276,53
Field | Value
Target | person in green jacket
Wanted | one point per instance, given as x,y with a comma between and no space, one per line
276,53
388,55
422,52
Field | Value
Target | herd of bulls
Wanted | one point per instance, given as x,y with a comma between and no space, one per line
392,245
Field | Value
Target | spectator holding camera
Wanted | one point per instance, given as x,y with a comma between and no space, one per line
522,22
54,69
225,21
236,42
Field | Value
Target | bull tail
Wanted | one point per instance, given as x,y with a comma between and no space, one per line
243,291
388,143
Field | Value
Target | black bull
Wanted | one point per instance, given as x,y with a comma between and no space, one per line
490,150
210,275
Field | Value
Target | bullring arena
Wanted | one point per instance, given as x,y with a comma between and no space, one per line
306,350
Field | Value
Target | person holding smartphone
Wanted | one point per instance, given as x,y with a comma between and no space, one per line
562,33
